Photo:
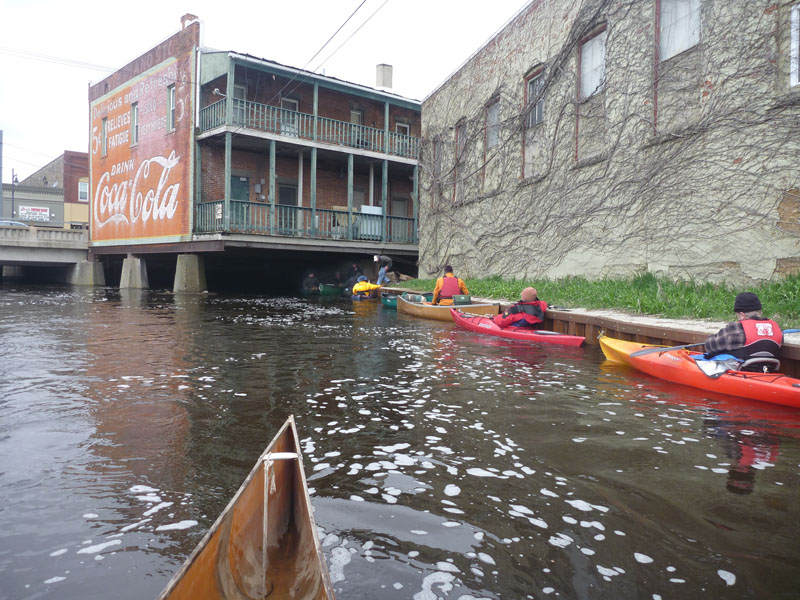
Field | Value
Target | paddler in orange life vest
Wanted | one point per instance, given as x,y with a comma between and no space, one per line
528,312
448,286
750,333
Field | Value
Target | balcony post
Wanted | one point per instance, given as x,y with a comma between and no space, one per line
272,187
226,215
350,197
386,127
414,202
316,109
384,196
229,93
314,192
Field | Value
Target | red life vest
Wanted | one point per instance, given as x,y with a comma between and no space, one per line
760,335
523,314
450,287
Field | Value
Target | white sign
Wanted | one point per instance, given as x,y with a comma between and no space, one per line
34,213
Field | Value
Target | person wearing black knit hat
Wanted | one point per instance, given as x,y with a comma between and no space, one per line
751,333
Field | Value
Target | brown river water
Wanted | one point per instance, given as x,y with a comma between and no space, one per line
442,463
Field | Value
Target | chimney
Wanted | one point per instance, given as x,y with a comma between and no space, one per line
383,74
187,20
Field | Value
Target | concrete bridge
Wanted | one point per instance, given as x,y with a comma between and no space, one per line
64,252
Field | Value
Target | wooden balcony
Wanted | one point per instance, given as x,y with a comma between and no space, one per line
294,124
299,221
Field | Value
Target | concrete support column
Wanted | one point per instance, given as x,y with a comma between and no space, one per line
313,225
384,197
272,187
350,232
87,272
190,274
134,274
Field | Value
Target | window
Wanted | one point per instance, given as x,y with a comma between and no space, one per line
461,140
171,108
533,91
104,141
83,191
239,103
403,128
357,117
289,106
794,73
679,26
492,124
593,65
134,123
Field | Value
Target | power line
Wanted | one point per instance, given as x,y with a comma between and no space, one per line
54,59
351,35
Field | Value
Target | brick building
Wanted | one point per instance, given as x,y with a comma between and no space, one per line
603,138
63,193
195,150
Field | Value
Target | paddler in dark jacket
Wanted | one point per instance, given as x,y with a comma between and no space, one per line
528,312
750,333
448,286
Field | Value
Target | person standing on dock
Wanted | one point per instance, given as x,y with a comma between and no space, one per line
528,312
751,333
385,264
448,286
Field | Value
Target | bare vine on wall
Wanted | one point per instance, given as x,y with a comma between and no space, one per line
670,158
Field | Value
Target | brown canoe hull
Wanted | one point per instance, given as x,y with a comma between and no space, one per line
264,544
442,313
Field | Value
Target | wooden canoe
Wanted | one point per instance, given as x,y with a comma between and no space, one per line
427,310
264,544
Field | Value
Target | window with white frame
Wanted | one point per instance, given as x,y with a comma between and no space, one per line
593,65
534,101
679,27
134,123
492,124
171,108
83,191
794,65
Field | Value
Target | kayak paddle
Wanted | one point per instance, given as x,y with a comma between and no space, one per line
663,349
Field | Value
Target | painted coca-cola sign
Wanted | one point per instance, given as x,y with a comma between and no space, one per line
141,154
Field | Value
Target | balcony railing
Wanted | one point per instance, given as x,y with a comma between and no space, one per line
296,221
293,124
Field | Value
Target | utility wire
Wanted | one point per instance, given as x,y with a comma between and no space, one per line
350,36
54,59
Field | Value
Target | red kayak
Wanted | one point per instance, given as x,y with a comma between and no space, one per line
481,324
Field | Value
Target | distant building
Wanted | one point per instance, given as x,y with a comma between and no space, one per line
603,138
62,198
194,150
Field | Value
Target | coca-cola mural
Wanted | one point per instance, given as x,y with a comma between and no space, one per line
141,156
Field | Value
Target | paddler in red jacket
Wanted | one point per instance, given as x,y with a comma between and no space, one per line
750,333
448,286
528,312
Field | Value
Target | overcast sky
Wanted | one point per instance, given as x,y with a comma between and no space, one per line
51,50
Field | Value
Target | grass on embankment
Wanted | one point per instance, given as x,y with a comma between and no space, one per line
644,294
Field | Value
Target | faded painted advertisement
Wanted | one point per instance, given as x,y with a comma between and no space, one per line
141,156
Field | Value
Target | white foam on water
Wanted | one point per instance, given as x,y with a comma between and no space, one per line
570,520
585,506
452,490
442,579
483,557
179,525
522,509
548,590
560,540
477,472
54,580
450,524
355,498
149,498
340,558
546,492
156,508
455,511
727,576
606,571
419,532
90,516
99,547
59,552
141,489
642,558
587,551
447,566
134,525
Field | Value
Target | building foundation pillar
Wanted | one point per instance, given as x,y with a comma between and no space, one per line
190,274
134,274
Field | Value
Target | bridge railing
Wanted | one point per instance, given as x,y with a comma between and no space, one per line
72,238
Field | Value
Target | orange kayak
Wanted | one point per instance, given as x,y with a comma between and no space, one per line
678,366
264,544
